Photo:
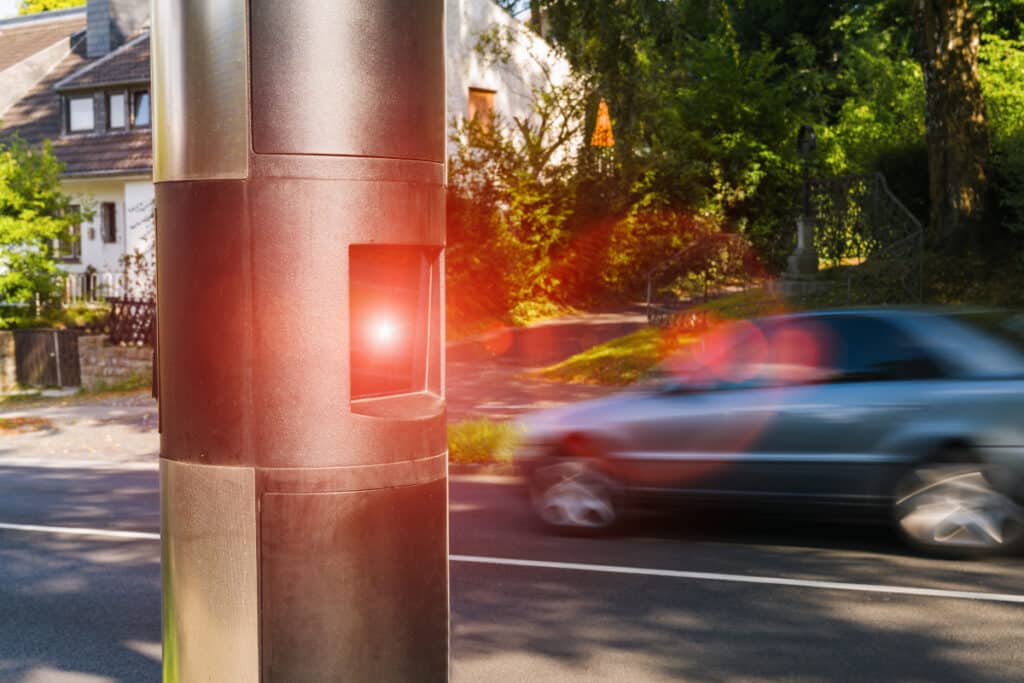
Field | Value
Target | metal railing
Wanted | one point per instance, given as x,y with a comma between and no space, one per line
132,322
93,287
860,222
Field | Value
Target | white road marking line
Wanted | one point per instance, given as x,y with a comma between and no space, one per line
103,465
608,569
740,578
81,531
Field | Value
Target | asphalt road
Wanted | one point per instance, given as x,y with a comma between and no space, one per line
707,600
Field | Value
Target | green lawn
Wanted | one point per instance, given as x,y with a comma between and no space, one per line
627,359
619,361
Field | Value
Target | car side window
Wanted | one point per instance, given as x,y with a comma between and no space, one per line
868,349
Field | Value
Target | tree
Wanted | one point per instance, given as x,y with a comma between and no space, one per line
956,132
34,214
33,6
511,190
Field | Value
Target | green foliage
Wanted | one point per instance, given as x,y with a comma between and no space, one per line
33,6
954,279
885,109
481,441
1002,64
704,181
507,214
59,317
682,253
33,214
511,193
143,380
21,398
81,315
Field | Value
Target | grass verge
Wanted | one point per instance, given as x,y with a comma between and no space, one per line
21,398
136,382
481,441
98,391
635,356
617,362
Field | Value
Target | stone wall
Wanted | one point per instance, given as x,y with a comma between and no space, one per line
8,367
104,364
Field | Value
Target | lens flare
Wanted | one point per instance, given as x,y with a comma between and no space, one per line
383,331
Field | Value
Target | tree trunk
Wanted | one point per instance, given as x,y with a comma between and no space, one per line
956,131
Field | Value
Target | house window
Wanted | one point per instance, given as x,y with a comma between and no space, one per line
80,114
140,108
68,247
117,110
108,222
481,107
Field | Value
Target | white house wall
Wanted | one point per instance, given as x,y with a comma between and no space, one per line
139,203
126,195
513,83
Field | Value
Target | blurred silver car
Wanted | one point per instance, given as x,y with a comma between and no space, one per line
909,413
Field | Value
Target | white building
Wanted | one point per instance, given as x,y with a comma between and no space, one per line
82,81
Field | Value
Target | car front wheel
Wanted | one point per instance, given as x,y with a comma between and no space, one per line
953,509
573,495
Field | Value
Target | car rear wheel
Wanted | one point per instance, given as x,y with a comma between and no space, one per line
573,495
953,509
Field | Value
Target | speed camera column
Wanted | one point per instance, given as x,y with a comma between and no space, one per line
299,165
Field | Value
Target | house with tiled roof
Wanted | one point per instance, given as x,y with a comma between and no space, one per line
92,103
82,82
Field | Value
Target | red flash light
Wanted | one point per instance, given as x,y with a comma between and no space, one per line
394,308
383,331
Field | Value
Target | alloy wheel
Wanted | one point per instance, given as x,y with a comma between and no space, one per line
955,508
573,495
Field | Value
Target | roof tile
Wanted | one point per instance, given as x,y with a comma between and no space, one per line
20,41
37,117
127,64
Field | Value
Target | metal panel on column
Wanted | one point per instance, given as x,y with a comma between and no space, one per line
299,161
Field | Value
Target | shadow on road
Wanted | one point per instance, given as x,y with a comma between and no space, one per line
76,604
674,629
79,497
489,518
72,604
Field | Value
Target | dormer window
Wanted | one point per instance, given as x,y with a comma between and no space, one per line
80,114
117,110
140,109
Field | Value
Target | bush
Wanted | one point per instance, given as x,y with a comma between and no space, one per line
77,316
35,217
481,441
1002,66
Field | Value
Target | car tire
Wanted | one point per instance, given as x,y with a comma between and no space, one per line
573,496
949,507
